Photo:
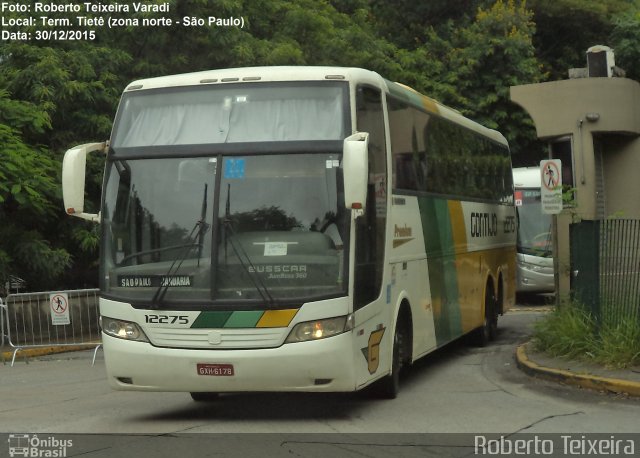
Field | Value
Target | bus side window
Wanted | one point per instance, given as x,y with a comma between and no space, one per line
370,229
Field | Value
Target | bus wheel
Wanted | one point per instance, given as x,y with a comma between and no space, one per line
204,397
389,387
487,332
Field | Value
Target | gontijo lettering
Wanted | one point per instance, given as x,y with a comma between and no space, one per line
484,224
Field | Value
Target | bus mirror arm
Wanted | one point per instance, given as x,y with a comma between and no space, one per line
356,172
73,179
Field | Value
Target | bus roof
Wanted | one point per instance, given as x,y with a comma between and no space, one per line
316,73
526,177
422,102
264,74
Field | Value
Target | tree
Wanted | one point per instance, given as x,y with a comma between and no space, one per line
624,39
27,189
407,23
472,68
565,29
55,97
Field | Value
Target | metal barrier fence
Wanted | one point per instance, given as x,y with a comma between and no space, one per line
606,256
3,320
51,319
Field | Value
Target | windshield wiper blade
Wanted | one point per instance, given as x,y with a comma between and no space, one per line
201,227
247,265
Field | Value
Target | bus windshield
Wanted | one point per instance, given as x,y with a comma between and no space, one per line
231,113
534,227
266,228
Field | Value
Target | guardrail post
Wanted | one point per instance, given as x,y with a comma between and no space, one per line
2,331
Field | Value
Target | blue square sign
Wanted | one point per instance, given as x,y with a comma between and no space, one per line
234,168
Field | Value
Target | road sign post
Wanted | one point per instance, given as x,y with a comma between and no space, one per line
551,189
59,305
551,200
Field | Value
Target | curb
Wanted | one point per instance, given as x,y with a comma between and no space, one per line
592,382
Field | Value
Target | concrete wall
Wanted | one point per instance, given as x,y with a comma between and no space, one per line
602,116
622,177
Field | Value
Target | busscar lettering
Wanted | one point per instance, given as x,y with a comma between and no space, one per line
277,268
281,271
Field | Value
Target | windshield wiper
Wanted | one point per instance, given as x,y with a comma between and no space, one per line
239,251
198,232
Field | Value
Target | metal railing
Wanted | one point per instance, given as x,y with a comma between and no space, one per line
605,255
51,319
3,332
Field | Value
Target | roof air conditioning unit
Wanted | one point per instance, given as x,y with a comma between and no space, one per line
600,61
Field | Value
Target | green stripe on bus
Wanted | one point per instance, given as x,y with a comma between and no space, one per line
239,319
439,244
211,320
244,319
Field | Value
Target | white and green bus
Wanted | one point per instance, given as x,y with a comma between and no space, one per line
293,229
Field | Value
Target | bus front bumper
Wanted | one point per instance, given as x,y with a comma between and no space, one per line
531,281
321,365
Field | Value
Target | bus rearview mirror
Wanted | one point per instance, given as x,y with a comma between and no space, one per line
73,177
355,170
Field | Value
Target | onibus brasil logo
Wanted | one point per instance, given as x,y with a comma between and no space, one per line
32,446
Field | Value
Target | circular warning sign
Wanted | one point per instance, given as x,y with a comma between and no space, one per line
551,175
551,186
59,304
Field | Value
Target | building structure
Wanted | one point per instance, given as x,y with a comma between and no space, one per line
591,122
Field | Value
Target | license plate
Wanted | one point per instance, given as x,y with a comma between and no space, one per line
216,370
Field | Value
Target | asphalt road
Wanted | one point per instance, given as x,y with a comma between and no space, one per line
459,389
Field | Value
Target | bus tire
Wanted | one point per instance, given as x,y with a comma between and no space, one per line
487,332
389,386
204,396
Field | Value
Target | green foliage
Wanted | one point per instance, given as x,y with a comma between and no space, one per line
567,28
568,332
472,68
410,24
620,345
625,37
499,38
53,99
571,332
28,192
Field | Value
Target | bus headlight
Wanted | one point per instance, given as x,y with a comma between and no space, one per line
320,329
533,267
122,329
